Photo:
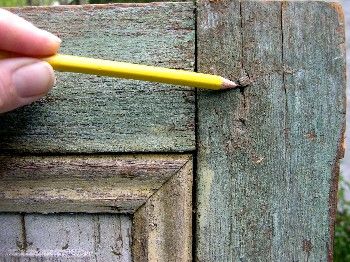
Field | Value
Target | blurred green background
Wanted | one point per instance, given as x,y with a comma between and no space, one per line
342,228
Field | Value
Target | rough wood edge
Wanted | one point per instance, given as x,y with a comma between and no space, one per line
100,6
61,197
334,183
162,227
333,192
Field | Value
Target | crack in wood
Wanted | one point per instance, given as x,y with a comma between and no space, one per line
23,244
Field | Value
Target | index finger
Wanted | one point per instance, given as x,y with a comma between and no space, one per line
19,36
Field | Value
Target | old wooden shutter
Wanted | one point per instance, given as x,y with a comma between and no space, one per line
113,161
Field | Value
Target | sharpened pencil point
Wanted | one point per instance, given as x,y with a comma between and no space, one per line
84,65
228,84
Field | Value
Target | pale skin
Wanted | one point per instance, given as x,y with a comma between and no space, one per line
24,80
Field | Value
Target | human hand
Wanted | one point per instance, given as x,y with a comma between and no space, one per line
24,80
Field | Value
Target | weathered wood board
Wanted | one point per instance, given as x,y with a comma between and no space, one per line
161,223
345,164
65,237
268,153
99,114
162,228
90,184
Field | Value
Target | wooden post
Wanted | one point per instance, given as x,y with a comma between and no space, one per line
268,154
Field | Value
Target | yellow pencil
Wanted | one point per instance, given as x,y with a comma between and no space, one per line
68,63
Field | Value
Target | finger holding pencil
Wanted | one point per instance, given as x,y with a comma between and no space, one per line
23,79
28,56
68,63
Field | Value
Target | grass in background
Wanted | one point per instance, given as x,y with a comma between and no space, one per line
342,237
14,3
11,3
342,225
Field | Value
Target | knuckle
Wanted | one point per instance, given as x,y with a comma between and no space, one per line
5,92
2,95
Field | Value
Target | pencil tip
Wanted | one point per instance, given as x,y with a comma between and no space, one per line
228,84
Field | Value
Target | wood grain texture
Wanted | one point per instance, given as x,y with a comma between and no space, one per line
268,153
162,227
99,114
65,237
113,184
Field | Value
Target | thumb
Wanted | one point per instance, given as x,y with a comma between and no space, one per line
23,81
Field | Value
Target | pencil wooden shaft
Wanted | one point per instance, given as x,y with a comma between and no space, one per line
101,67
134,71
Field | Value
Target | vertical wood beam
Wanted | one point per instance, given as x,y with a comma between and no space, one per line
268,153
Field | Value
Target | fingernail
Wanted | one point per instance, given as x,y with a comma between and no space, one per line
33,80
51,36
